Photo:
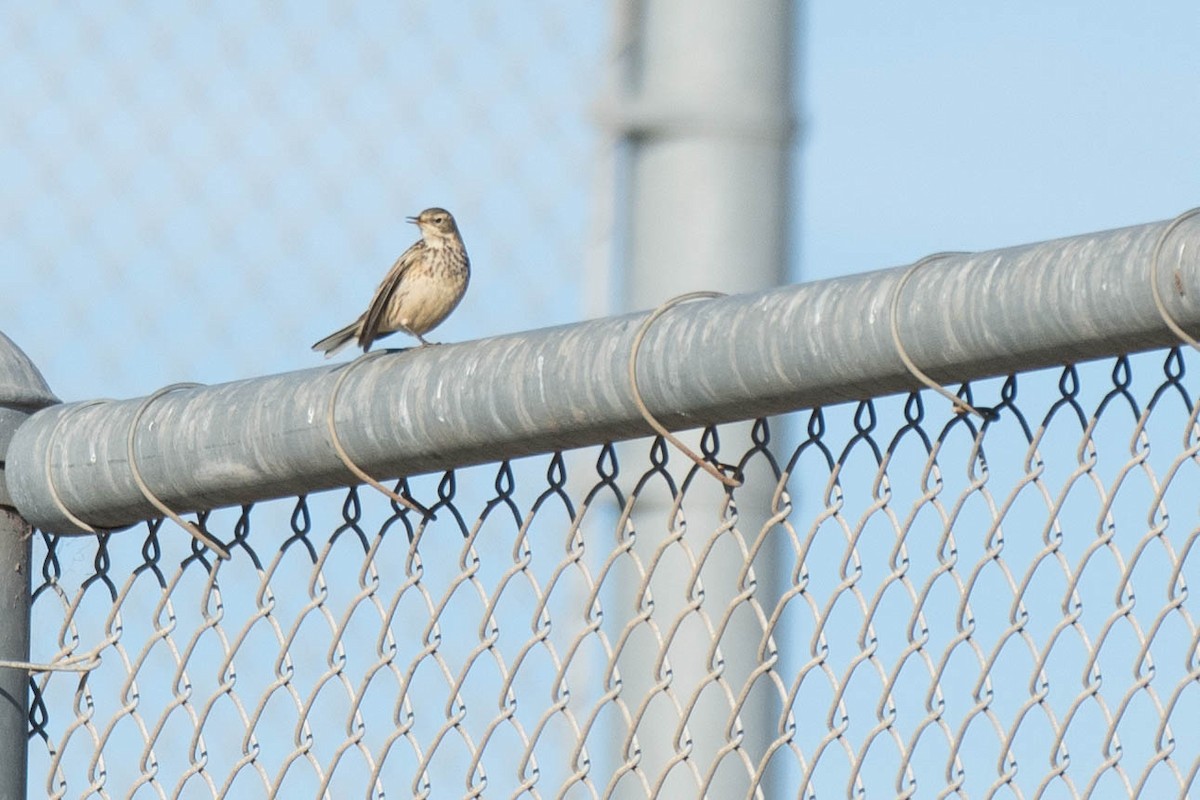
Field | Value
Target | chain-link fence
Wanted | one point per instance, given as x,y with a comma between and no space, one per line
596,620
895,595
964,608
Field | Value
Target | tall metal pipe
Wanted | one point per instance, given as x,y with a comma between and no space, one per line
22,391
705,114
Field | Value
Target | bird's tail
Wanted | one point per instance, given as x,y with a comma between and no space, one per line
337,340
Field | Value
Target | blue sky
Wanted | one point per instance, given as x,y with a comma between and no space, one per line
966,126
199,195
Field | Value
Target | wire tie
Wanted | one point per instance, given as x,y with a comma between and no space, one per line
54,494
1166,315
651,420
84,662
144,488
357,471
960,406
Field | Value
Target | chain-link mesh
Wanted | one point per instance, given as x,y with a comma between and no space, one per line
936,606
201,191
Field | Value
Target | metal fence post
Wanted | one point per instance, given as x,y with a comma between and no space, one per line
22,391
707,115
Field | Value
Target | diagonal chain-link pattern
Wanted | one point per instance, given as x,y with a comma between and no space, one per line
252,156
939,607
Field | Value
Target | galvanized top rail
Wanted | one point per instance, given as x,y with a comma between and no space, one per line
959,317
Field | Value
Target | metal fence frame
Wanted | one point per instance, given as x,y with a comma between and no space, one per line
958,317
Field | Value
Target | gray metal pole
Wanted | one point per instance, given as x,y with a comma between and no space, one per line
962,318
22,390
709,122
706,113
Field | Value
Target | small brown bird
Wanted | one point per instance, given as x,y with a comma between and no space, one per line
419,291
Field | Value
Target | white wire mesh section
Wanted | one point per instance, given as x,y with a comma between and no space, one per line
935,609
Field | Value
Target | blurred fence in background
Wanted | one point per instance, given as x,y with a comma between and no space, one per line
200,191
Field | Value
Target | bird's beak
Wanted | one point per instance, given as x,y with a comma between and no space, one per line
413,220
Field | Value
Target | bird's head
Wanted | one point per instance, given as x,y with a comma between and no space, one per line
436,224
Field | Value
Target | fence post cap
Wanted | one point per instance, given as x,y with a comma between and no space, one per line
21,384
23,391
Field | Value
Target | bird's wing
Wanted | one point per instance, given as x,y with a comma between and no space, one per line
377,311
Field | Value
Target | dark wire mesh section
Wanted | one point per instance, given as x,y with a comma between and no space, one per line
898,601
